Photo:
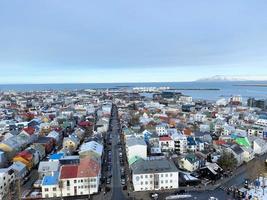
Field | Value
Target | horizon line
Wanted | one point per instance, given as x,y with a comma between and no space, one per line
49,83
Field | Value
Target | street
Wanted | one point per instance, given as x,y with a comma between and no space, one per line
117,193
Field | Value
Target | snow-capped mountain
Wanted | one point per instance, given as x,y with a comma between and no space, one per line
222,78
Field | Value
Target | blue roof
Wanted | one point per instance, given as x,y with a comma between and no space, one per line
56,156
51,180
191,141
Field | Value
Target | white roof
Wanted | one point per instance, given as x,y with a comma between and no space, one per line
133,141
92,146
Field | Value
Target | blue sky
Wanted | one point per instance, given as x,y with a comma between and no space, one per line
57,41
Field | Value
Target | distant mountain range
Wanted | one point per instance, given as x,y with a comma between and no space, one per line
223,78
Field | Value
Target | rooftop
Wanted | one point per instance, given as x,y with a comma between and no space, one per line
51,180
142,166
68,171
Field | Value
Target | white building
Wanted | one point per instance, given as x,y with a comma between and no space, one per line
256,131
259,146
150,175
161,130
261,122
189,163
185,99
7,177
136,147
166,143
73,180
180,143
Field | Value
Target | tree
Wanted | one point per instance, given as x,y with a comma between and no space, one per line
227,161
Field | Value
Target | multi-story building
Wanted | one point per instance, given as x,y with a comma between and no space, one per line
7,177
73,180
180,143
136,147
161,130
261,122
154,175
257,131
166,143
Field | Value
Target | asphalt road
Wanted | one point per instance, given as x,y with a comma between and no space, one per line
117,193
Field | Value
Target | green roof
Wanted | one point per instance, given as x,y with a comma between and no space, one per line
191,158
133,159
243,141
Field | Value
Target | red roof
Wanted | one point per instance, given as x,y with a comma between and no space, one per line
25,154
88,168
165,138
29,130
85,124
68,171
220,142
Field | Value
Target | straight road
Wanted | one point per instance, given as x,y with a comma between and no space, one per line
117,193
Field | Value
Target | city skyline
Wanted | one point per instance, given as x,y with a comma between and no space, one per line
152,41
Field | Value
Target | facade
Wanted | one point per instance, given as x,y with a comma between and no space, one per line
136,147
166,143
259,146
257,131
161,130
189,163
73,180
148,175
261,122
180,143
7,177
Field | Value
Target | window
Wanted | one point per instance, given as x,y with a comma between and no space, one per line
54,195
145,176
170,181
46,190
166,175
81,193
166,181
75,181
46,196
161,182
161,175
68,183
170,175
146,182
141,183
151,182
151,175
81,181
141,176
54,189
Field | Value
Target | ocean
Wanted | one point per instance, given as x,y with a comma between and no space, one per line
225,89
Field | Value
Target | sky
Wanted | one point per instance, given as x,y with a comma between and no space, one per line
81,41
